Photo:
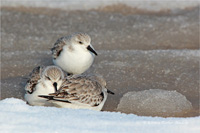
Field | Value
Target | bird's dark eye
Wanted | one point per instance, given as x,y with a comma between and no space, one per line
80,42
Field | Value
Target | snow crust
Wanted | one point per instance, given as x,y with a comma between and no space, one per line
154,102
18,117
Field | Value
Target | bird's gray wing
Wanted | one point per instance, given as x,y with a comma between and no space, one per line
34,77
58,47
80,90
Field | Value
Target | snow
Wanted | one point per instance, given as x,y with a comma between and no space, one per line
18,117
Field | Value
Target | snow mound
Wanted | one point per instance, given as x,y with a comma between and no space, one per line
17,117
154,102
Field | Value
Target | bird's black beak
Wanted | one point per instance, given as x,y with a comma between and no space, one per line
110,92
91,50
55,86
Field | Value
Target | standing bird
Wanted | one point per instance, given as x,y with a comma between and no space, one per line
80,92
74,53
42,81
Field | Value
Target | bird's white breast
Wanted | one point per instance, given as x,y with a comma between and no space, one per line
42,88
76,61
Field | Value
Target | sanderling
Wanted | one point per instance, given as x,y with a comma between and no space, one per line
42,81
74,53
80,92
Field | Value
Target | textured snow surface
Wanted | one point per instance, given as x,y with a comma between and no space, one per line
154,102
18,117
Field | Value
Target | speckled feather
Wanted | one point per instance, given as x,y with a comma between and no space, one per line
43,81
35,76
53,72
58,47
81,89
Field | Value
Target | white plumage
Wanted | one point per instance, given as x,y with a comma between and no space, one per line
43,80
74,53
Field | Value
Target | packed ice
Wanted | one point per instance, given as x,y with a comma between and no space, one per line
154,102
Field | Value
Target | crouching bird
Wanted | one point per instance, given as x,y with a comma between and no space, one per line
80,92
